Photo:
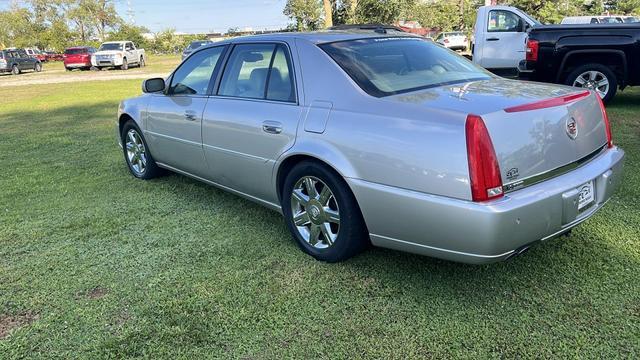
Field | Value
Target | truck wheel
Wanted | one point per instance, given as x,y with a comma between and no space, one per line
37,67
125,64
142,63
15,70
596,77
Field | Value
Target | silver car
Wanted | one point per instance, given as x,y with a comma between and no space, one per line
362,138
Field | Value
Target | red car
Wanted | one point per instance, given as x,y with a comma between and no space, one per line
36,54
78,58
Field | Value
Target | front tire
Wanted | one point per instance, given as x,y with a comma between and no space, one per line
595,77
125,64
37,67
322,213
136,153
15,70
142,63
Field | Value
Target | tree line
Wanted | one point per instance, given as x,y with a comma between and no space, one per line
445,15
59,24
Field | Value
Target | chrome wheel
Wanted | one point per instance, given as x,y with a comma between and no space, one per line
593,80
315,212
136,152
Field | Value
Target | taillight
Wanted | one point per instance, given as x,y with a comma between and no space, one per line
446,41
484,171
532,50
605,118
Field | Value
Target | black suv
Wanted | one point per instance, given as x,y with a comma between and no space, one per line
17,60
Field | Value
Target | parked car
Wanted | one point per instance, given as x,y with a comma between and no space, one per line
120,54
78,57
499,38
54,56
456,40
36,54
17,61
572,20
600,57
193,46
389,139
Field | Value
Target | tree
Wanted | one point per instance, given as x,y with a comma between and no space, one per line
306,13
104,15
328,6
131,33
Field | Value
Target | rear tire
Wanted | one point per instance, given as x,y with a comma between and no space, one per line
37,67
136,153
325,221
597,77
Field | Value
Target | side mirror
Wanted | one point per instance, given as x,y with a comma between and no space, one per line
153,85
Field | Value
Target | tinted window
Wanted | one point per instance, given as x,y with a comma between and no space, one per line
75,51
194,75
246,72
280,86
388,66
110,46
503,21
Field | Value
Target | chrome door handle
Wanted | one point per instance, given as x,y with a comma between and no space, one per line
190,115
272,127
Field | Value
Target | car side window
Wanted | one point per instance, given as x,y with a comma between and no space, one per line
194,75
280,79
246,72
503,21
129,46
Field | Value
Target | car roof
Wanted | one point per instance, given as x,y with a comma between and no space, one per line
319,37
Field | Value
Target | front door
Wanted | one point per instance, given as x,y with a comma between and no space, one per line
252,119
504,43
174,123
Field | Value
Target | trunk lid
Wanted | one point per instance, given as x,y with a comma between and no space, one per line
531,143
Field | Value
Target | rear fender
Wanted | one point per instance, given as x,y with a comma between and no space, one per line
607,57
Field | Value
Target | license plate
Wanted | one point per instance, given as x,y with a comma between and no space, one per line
586,195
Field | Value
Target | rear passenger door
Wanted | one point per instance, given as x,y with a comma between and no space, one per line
252,119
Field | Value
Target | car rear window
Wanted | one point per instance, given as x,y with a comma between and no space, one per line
388,66
75,51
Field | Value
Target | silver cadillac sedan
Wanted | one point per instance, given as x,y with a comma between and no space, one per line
362,138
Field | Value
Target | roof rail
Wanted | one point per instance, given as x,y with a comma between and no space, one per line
379,28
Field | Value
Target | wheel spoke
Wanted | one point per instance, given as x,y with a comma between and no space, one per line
301,198
325,195
593,75
326,232
310,185
603,82
132,138
314,232
332,215
130,146
580,80
301,219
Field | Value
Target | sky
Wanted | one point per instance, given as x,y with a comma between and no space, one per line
201,16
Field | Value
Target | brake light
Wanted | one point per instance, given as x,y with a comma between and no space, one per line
484,171
446,41
547,103
605,118
532,50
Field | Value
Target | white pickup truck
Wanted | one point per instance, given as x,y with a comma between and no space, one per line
120,54
500,38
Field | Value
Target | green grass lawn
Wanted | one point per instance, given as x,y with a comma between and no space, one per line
97,264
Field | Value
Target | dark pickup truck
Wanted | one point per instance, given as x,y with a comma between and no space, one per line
600,57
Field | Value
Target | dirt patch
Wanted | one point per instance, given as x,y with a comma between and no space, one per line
97,293
85,76
93,294
9,323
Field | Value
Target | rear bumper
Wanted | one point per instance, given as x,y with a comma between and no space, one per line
479,233
77,65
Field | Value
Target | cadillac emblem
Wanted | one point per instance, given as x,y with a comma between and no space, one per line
572,128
